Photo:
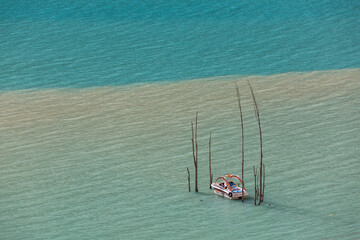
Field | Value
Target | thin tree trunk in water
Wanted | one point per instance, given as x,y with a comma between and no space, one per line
261,167
242,146
196,146
255,172
195,162
193,144
188,179
257,115
257,189
263,190
210,161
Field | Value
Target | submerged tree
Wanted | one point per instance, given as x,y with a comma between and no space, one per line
256,188
195,151
210,174
242,138
188,178
257,115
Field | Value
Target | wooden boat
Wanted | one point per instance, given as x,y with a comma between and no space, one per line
229,186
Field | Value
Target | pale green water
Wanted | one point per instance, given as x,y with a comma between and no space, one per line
110,163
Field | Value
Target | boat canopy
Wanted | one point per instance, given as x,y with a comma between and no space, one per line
228,177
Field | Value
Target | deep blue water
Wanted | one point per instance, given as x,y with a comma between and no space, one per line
52,44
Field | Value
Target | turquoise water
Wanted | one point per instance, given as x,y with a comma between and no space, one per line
52,44
96,103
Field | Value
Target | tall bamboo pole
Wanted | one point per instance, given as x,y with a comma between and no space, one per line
257,115
242,146
210,174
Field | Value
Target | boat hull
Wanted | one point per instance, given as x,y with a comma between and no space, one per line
229,194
